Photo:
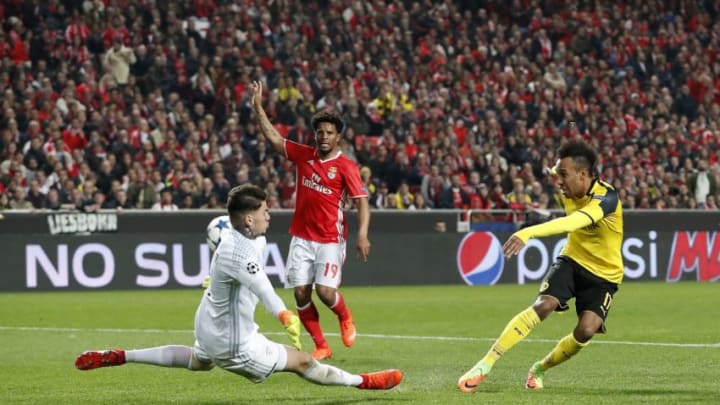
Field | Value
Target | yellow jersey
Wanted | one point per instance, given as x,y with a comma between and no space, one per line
594,225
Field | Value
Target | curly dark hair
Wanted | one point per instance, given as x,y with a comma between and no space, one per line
327,116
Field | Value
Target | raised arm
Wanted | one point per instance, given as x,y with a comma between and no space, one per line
268,131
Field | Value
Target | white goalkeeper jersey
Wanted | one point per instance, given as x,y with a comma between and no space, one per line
224,320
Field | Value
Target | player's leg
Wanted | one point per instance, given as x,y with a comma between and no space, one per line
310,318
328,276
324,374
517,329
555,290
565,349
334,300
593,300
164,356
263,357
300,276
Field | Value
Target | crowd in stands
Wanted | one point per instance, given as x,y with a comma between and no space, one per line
448,104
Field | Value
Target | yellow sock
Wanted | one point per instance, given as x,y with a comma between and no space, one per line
516,330
564,350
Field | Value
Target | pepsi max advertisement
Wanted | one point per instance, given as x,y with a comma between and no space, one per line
662,256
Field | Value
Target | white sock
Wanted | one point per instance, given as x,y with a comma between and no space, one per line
166,356
324,374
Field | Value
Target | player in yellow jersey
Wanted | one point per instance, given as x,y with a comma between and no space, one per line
589,268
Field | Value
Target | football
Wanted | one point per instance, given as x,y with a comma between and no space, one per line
215,231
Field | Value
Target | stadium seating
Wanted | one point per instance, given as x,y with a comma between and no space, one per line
107,104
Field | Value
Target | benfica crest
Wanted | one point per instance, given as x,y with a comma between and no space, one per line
332,172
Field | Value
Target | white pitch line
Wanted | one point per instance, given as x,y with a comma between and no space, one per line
366,335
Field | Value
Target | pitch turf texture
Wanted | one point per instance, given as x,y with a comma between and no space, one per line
662,347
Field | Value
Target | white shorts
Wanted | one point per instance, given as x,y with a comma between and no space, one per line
260,358
314,262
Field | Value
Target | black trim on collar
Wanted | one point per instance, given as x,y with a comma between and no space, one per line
589,194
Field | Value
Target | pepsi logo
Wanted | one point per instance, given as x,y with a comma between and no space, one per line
479,258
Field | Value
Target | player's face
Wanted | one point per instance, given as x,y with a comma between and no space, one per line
259,220
327,138
573,183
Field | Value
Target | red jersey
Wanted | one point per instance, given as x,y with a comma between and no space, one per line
322,189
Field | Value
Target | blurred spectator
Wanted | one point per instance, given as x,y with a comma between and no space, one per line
118,60
88,201
380,198
140,193
366,176
4,202
518,199
454,196
18,202
53,200
35,197
118,200
391,201
711,203
404,198
166,202
432,186
418,203
702,184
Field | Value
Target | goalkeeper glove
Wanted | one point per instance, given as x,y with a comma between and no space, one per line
291,323
206,282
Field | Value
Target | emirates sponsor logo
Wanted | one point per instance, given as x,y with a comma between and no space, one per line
315,186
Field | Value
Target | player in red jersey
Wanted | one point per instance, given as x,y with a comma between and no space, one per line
325,180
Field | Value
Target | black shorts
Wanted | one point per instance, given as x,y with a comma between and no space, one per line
567,279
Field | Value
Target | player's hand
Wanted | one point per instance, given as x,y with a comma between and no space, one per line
291,323
206,282
363,248
257,93
513,246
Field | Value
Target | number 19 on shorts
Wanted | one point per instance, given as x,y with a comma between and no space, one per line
331,270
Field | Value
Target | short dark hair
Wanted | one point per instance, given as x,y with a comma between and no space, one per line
327,116
583,155
245,198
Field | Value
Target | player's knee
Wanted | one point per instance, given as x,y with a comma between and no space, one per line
302,295
544,306
298,361
204,367
305,361
584,332
326,294
197,365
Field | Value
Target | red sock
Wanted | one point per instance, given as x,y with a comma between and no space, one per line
310,318
339,307
365,381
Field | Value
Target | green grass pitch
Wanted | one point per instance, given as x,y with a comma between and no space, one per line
662,347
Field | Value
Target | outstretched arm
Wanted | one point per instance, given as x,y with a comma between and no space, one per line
263,289
363,212
599,206
268,131
517,241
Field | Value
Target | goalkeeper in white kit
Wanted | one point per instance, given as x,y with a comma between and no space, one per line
225,331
